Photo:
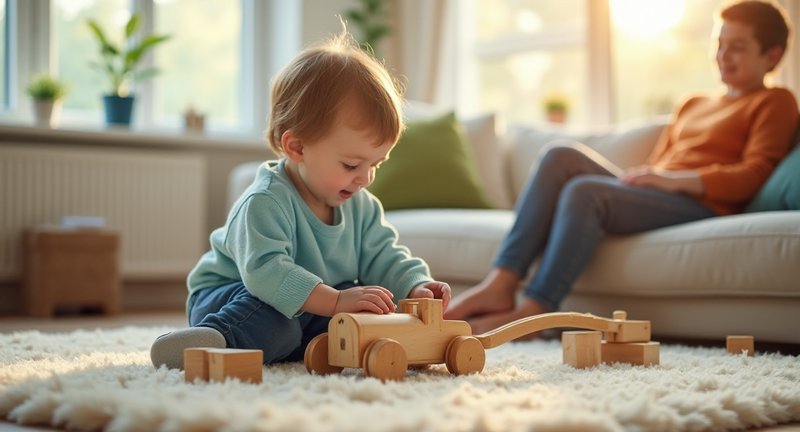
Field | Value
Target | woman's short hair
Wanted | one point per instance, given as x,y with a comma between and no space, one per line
769,21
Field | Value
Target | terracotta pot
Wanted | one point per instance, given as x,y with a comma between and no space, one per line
557,116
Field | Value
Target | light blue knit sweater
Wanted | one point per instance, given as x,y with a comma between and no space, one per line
280,250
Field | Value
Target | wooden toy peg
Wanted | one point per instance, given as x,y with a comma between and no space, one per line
581,348
737,343
619,315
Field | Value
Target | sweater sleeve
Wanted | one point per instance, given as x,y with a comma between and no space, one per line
773,124
382,260
261,242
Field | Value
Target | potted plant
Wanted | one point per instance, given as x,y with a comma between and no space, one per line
47,93
556,107
371,19
121,66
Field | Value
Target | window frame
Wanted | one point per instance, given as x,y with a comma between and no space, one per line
30,51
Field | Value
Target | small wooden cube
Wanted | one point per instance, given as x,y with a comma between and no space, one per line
738,343
195,364
246,365
636,353
581,348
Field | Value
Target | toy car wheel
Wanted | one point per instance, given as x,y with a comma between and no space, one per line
385,359
316,356
465,355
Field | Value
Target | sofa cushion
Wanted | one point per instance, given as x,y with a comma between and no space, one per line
432,166
748,255
782,189
458,245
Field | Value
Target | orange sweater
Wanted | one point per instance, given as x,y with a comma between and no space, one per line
734,143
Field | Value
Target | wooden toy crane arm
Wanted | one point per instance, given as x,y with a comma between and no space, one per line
615,329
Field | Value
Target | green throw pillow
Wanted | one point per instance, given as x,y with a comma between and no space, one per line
782,189
432,166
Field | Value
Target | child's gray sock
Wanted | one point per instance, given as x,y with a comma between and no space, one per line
168,348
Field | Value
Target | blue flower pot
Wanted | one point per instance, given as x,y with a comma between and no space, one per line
118,110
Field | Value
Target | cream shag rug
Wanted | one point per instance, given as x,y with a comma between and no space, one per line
103,380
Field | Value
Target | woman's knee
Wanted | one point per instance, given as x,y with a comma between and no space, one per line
585,190
562,153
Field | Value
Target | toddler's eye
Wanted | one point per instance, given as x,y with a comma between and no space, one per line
349,167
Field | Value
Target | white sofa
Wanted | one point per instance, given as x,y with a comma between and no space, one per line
702,280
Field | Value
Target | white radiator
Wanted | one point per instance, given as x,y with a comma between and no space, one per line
154,199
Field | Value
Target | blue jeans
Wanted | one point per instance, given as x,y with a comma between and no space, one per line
566,208
249,323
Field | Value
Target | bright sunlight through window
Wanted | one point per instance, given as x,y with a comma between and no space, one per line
646,18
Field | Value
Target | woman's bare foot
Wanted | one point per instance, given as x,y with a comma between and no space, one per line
489,322
494,294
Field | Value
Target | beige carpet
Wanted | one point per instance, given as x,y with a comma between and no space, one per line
93,380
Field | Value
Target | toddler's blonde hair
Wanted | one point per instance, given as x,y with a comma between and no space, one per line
309,92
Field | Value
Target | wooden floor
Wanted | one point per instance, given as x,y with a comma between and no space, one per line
171,318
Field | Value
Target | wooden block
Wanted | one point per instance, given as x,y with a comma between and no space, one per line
636,353
581,348
738,343
195,364
246,365
630,331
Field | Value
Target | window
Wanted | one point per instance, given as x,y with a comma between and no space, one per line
668,54
75,49
220,56
3,56
528,50
199,68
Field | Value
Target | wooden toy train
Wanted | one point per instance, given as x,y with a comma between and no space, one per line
386,345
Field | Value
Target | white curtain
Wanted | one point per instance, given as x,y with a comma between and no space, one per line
425,29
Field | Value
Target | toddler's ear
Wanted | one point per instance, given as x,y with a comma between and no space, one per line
292,146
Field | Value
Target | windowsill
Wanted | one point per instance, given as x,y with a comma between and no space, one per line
20,132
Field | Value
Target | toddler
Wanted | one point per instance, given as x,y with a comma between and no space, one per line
306,240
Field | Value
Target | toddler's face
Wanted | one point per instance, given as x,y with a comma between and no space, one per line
340,163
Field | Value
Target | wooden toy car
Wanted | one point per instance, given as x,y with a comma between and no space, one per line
386,345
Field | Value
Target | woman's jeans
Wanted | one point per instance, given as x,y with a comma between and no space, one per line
249,323
572,200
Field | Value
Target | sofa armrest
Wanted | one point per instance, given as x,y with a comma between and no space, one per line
240,178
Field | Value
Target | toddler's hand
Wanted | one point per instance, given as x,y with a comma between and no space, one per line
365,299
437,290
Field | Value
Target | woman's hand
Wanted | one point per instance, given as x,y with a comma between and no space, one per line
686,181
436,290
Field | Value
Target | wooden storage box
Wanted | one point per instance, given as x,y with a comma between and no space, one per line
71,269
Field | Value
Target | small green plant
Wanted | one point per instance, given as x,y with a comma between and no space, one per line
121,64
45,87
371,19
556,103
